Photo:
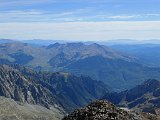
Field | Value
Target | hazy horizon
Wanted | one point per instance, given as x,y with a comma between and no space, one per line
87,42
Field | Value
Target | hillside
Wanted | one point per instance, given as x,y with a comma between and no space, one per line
12,110
144,97
48,89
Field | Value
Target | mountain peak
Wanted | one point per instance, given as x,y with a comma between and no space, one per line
95,44
53,45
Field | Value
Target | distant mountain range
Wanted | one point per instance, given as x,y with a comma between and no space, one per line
97,61
144,97
148,54
42,42
2,41
131,42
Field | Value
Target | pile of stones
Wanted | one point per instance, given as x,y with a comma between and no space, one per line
104,110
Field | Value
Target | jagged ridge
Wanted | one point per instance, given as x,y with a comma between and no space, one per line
144,97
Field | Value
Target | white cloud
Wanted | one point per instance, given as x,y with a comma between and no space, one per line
10,3
42,16
82,30
77,15
129,16
124,16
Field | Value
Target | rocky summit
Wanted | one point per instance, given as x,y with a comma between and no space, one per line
104,110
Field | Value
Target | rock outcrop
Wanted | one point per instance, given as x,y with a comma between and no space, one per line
104,110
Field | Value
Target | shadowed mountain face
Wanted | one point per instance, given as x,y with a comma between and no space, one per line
79,90
66,90
104,110
97,61
145,97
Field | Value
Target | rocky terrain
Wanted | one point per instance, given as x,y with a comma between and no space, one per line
104,110
12,110
144,97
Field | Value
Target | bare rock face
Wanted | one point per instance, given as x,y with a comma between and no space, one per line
15,85
104,110
22,98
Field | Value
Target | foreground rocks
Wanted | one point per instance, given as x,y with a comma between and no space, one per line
104,110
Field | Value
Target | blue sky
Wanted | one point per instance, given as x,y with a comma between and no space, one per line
80,19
